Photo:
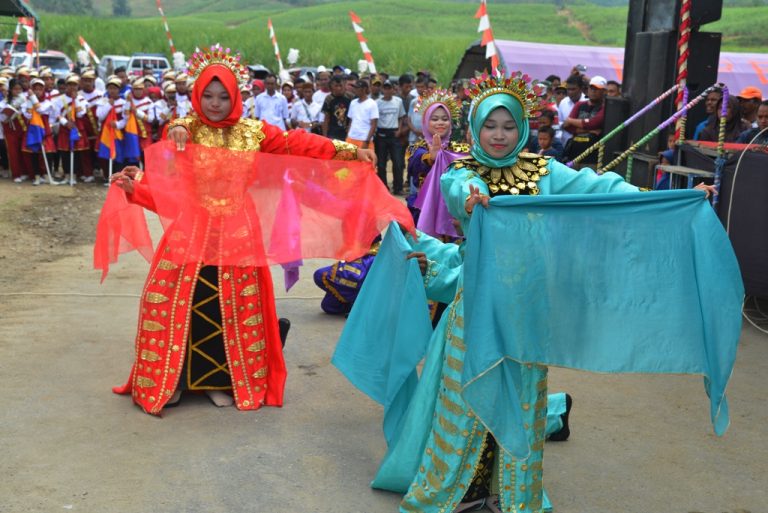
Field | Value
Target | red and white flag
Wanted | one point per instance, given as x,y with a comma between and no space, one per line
487,38
167,29
273,37
363,43
87,48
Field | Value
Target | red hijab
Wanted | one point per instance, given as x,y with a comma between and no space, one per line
228,80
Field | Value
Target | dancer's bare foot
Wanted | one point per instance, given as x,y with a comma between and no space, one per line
219,398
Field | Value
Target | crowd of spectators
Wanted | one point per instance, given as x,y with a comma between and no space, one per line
379,111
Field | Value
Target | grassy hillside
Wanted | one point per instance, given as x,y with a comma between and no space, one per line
403,34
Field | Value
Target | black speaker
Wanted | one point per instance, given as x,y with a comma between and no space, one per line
705,11
702,72
653,72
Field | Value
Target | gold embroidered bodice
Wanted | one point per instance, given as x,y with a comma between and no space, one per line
518,179
454,146
245,135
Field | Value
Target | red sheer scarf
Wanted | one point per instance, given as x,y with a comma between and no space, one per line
223,207
228,80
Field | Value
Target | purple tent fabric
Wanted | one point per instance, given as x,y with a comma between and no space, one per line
737,70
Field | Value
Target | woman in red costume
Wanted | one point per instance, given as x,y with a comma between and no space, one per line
214,328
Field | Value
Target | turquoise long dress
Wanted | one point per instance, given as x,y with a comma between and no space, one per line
460,456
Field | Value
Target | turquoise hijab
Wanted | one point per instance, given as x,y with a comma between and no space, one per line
480,113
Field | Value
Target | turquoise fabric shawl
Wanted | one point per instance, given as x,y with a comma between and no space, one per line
380,356
611,283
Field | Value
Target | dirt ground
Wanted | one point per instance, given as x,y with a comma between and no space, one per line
639,444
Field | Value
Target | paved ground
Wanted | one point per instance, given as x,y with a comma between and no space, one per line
639,443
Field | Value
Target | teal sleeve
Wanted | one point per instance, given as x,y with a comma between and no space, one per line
443,266
564,180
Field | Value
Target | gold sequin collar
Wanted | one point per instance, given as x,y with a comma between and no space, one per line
519,178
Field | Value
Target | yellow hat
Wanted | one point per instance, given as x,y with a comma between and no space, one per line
169,75
88,73
138,83
34,74
169,87
151,79
182,77
45,71
115,81
37,81
22,70
72,79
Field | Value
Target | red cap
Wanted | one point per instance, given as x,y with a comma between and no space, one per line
751,93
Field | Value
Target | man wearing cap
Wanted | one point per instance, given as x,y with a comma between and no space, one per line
387,139
585,121
109,102
123,76
364,117
71,112
23,76
166,109
139,103
749,100
36,101
92,96
182,92
376,83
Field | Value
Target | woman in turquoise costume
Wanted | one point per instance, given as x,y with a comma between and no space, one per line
439,452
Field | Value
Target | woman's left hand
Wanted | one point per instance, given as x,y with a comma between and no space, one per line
421,258
708,189
365,155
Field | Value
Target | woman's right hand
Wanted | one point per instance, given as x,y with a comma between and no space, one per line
179,135
434,147
474,198
421,258
124,179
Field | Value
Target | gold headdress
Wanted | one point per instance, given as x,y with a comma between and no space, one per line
518,85
443,96
217,55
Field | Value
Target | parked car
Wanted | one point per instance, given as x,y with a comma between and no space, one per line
6,50
156,61
109,63
60,64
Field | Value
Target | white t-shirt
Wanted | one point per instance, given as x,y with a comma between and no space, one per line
390,112
361,115
563,111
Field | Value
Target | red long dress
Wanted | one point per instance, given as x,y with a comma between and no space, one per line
248,327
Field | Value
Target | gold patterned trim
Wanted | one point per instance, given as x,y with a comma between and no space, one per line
449,426
519,178
457,342
442,444
344,150
250,290
253,320
145,382
149,356
452,385
455,363
440,465
152,325
156,298
167,265
261,373
451,406
257,346
434,481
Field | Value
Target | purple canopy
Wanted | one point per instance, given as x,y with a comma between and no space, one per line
539,60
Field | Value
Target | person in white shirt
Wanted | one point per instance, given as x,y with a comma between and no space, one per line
364,116
245,93
323,88
36,101
573,87
306,113
388,131
271,106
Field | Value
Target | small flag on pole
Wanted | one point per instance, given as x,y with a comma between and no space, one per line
273,37
87,48
363,42
167,29
487,38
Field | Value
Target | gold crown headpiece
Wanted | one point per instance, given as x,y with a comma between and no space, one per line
443,96
518,85
217,55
